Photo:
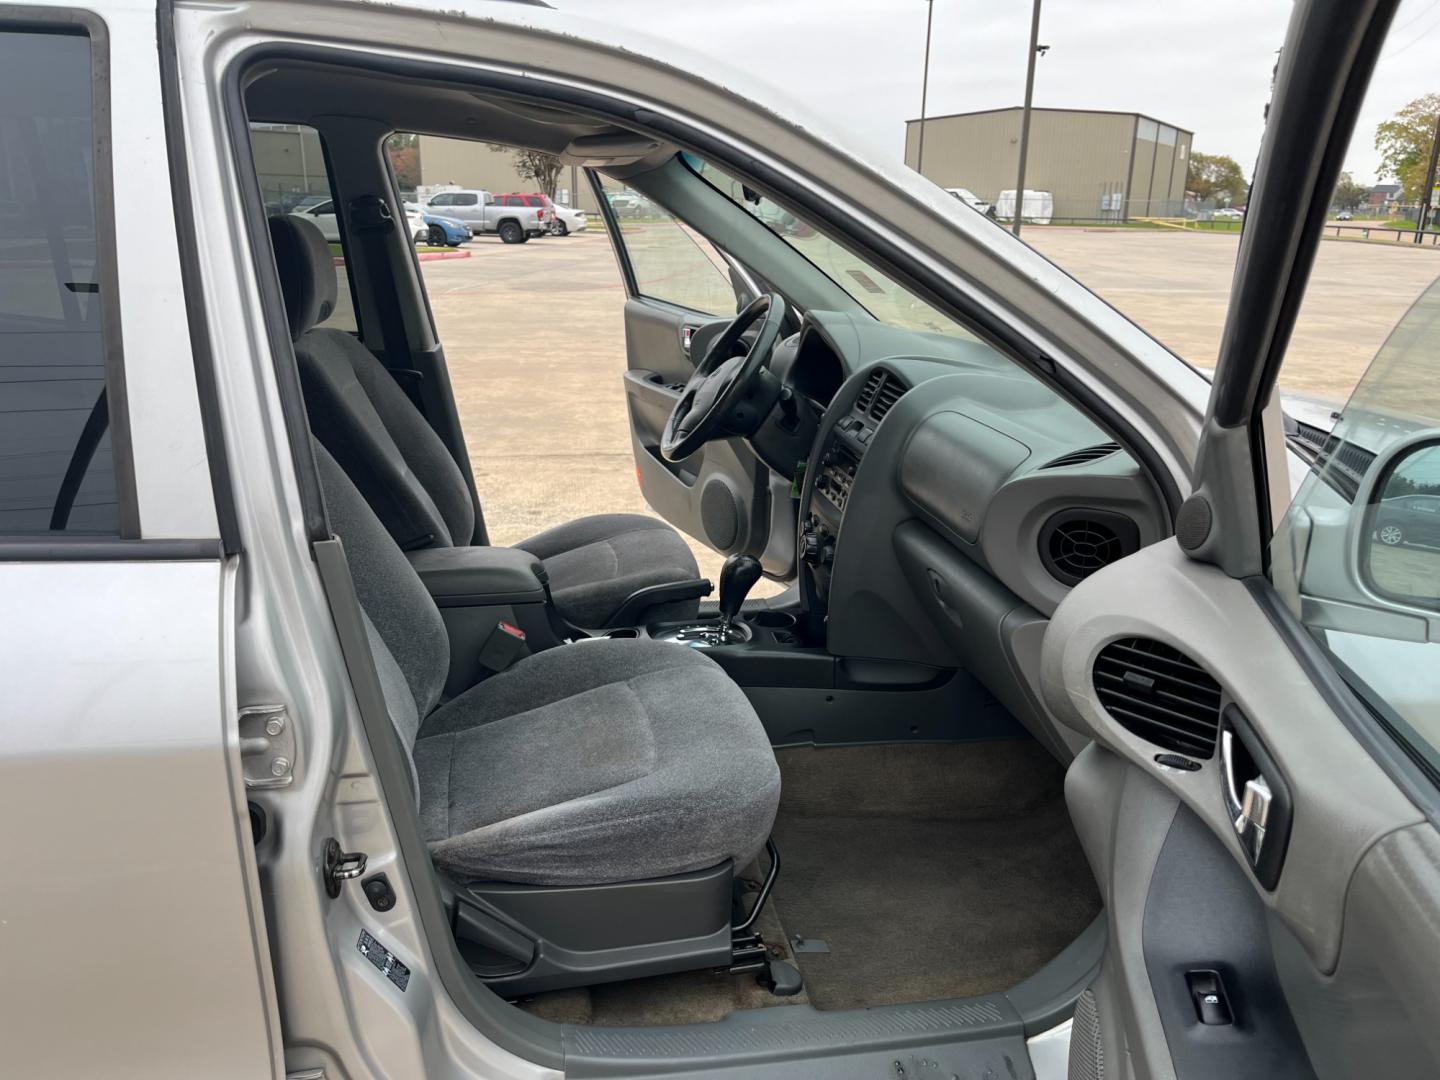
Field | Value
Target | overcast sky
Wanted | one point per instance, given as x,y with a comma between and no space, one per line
1203,67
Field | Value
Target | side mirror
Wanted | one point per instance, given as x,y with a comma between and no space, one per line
1399,537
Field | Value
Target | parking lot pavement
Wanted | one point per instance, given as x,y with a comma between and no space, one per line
535,341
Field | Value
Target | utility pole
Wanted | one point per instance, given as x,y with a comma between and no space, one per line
1423,215
1025,117
924,88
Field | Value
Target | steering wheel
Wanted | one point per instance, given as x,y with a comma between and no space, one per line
721,380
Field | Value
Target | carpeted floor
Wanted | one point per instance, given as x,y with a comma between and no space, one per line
927,872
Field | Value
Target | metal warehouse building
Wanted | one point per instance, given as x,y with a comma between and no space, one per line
1099,166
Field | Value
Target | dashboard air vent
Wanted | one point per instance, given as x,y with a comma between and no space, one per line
879,394
1076,543
886,396
1081,457
1159,694
867,392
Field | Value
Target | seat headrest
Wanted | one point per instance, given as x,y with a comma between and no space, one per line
307,271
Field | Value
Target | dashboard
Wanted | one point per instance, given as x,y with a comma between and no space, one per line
951,500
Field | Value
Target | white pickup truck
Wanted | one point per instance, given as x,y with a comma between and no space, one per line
480,210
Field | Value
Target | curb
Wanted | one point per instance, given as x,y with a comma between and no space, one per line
436,256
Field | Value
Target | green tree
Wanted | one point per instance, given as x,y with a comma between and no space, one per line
404,151
1218,177
1348,194
536,165
1404,143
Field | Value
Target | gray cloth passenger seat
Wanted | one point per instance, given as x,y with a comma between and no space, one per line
597,762
362,416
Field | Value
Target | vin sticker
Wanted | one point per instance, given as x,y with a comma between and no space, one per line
383,959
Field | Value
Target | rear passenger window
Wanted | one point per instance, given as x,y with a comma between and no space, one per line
294,179
57,465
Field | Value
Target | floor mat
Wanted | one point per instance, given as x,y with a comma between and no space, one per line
915,910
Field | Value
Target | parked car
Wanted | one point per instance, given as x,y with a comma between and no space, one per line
536,199
1409,520
568,220
443,231
1088,757
970,199
1344,215
514,223
322,215
1226,213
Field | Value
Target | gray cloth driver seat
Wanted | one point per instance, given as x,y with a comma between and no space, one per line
362,416
586,764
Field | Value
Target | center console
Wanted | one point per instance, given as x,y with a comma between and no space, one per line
842,451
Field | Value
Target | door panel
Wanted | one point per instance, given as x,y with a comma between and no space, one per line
721,495
1155,836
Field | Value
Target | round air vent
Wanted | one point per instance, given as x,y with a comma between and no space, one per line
1076,543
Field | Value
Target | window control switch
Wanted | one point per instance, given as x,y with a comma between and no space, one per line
1207,991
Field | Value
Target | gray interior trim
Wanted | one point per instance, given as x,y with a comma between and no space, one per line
1343,800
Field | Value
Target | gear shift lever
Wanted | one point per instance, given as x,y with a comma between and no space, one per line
737,577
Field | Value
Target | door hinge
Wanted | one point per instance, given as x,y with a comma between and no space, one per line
267,746
338,867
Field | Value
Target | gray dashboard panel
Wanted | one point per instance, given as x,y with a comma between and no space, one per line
953,466
1346,803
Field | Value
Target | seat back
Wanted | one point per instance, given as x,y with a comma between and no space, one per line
407,636
358,411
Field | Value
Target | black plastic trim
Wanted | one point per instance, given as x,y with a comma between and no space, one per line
197,319
282,348
48,547
76,21
1369,731
1282,803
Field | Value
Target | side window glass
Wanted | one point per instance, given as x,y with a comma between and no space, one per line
294,179
468,199
1357,556
670,261
57,467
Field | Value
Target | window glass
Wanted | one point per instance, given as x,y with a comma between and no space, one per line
1357,556
468,198
54,418
671,262
872,290
294,179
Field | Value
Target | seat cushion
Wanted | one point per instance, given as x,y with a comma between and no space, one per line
597,762
596,562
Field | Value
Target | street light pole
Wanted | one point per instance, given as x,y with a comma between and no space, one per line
1025,117
1424,215
924,88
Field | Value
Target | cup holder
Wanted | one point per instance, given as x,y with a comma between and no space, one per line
772,620
623,632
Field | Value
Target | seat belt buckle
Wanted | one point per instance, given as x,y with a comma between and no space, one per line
505,645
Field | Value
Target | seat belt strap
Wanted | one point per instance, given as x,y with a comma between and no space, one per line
371,221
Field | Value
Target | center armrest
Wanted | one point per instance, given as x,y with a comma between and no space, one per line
474,576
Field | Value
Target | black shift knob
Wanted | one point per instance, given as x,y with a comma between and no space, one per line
737,577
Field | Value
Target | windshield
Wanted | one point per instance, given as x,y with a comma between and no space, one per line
879,295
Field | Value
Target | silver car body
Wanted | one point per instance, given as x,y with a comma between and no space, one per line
139,661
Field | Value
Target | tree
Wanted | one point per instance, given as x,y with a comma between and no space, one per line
1348,194
542,168
404,151
1215,176
1404,143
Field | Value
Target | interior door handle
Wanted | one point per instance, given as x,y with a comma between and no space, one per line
1256,794
1249,809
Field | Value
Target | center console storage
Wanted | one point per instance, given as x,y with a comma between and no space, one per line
479,588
